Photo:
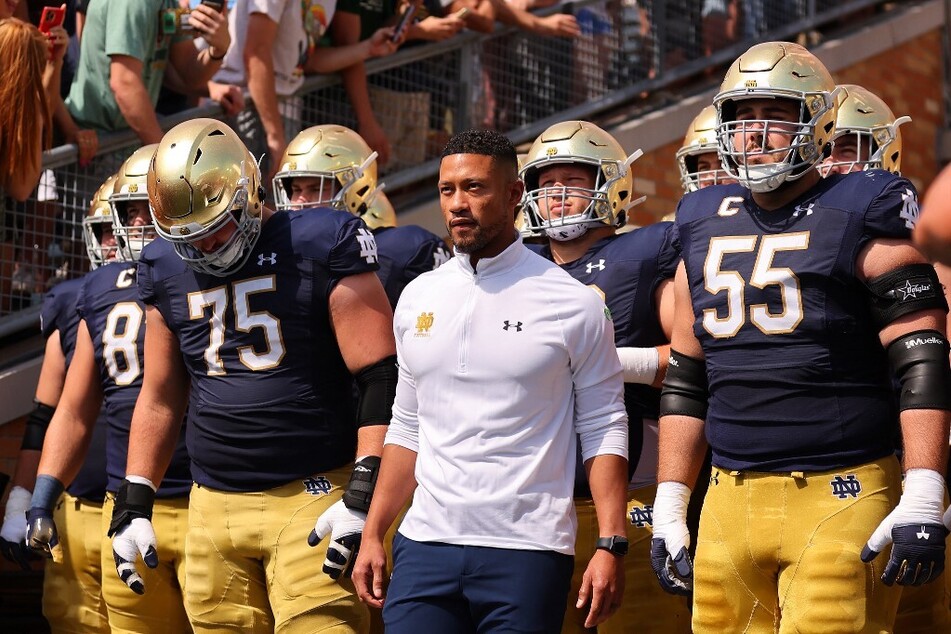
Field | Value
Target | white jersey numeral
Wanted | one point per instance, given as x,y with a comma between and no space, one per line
119,339
716,280
245,321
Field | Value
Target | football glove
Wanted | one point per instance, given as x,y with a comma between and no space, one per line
131,530
13,532
345,527
916,530
669,557
41,534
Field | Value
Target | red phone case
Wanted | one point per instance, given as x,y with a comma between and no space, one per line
51,18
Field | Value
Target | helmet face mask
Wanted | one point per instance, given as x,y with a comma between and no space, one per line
867,134
131,190
764,151
203,180
341,161
100,246
583,144
699,146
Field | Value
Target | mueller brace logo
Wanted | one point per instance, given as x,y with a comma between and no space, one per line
922,341
318,486
642,516
847,487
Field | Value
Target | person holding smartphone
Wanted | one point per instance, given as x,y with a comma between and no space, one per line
124,56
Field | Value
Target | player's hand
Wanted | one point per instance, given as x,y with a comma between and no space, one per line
135,539
345,527
916,530
669,556
41,534
131,530
602,586
369,573
13,532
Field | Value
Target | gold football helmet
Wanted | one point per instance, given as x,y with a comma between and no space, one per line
877,138
98,218
380,212
776,70
131,184
341,160
578,142
701,139
203,179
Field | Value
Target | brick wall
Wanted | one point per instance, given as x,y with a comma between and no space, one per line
907,77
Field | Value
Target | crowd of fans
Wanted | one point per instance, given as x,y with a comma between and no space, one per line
122,64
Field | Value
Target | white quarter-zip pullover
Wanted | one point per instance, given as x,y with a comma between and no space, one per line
500,367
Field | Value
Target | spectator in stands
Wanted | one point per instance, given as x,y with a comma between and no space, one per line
127,44
31,64
436,21
274,42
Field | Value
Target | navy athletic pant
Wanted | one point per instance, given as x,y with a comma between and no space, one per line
454,589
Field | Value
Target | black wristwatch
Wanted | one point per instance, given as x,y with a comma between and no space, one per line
616,544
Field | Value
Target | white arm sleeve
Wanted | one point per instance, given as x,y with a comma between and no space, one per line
639,364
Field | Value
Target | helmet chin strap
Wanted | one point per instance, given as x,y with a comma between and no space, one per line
564,233
762,178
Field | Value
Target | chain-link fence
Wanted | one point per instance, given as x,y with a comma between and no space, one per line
515,82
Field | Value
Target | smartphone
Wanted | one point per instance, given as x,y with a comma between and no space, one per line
217,5
51,18
405,20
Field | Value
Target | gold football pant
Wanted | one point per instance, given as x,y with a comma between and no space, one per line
250,569
162,607
646,607
72,590
779,552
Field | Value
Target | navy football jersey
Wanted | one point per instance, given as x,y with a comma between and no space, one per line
115,318
626,270
59,313
271,397
405,253
798,377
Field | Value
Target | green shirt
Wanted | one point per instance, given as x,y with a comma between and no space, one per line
118,27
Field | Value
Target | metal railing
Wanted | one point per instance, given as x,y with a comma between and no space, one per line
515,82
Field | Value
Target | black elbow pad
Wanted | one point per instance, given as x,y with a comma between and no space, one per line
685,387
920,362
377,384
36,424
905,290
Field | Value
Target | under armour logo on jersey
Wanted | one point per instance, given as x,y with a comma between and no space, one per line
271,259
807,209
318,486
517,325
592,266
846,487
923,534
714,478
909,208
642,516
367,245
440,257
